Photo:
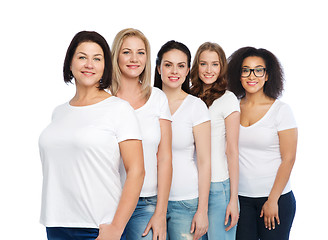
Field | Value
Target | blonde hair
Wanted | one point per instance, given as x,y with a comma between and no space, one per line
145,76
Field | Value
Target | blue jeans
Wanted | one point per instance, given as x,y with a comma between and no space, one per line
138,222
64,233
251,226
217,205
179,217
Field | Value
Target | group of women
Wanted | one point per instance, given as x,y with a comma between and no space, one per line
184,159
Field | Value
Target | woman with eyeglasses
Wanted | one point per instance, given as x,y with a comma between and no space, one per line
267,146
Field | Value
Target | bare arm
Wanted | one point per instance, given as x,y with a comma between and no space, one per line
288,145
132,155
164,179
202,136
232,123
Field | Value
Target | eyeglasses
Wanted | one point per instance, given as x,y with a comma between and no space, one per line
258,72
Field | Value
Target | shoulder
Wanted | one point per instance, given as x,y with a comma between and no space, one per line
157,93
281,106
195,101
227,102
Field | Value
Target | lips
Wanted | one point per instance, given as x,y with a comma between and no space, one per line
85,73
174,79
133,66
208,76
251,83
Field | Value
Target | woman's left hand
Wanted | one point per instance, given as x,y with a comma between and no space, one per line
108,232
270,213
199,224
158,224
232,212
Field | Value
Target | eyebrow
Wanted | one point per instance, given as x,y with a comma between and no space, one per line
172,62
98,54
143,49
245,66
211,62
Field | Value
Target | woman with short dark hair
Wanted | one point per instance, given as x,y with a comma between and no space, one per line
267,146
82,196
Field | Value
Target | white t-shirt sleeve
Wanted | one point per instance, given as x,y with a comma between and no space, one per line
200,112
229,104
164,106
285,118
127,125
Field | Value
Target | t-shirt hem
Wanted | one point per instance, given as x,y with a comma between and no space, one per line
71,225
173,199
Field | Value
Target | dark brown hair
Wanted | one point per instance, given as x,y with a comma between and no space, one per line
219,87
170,45
89,36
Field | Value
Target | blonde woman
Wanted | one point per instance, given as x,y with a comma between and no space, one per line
132,82
208,77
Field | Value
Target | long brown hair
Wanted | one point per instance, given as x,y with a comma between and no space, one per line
219,87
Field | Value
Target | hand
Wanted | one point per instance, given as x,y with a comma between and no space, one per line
199,224
270,213
158,224
108,232
233,212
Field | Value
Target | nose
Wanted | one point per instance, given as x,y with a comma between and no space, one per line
134,57
89,63
174,69
208,68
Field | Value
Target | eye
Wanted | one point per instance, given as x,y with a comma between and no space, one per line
97,59
181,65
82,57
141,53
202,64
258,70
215,64
125,52
167,65
245,70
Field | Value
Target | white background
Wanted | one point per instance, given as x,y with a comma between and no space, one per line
33,43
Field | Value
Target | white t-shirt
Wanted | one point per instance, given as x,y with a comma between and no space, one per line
219,110
148,115
192,111
259,151
80,159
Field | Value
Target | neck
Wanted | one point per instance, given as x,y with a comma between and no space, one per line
256,98
206,86
86,96
173,93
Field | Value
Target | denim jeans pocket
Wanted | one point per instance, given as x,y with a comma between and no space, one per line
191,204
151,200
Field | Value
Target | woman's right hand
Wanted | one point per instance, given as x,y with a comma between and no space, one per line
108,232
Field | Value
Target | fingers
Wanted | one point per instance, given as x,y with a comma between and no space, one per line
193,225
270,222
199,233
146,230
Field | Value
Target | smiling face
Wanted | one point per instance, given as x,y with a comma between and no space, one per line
132,57
173,69
88,64
209,67
253,84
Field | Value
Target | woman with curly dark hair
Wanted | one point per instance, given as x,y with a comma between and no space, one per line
208,77
267,146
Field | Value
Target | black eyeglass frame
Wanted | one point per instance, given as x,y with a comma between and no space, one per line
252,70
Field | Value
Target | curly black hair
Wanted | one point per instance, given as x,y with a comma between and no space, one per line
273,87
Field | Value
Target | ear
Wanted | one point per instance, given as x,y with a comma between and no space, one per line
159,70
